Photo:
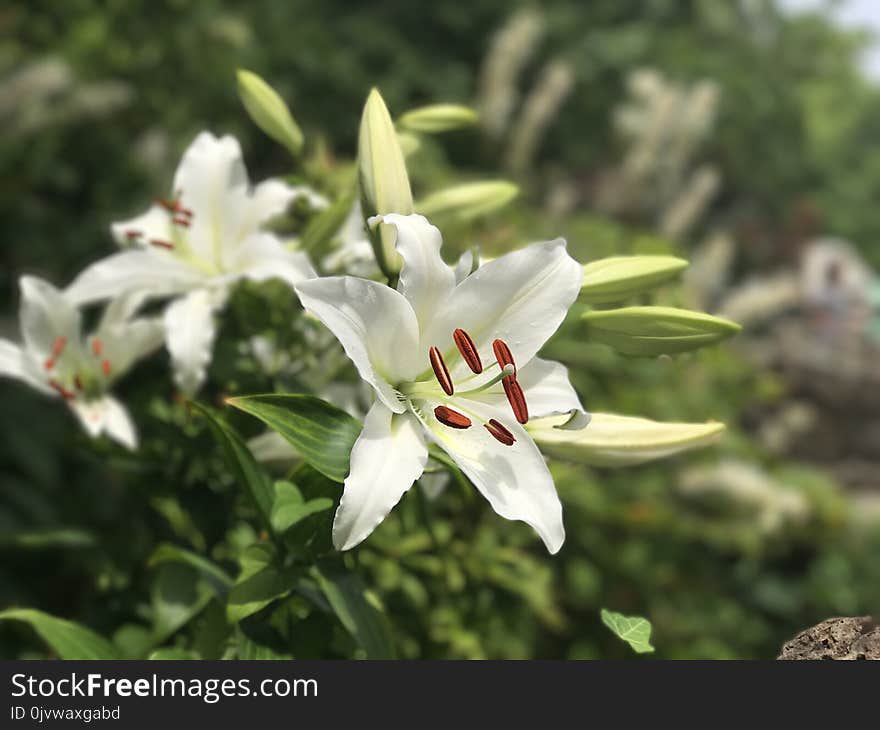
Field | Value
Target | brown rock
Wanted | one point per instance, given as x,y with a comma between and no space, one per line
836,638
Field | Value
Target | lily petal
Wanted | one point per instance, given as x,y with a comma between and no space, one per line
154,224
389,455
262,256
124,343
46,314
157,272
118,424
91,414
521,298
549,392
210,169
375,325
614,440
515,479
189,335
15,363
426,280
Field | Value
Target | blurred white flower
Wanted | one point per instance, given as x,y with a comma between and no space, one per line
56,359
196,244
401,341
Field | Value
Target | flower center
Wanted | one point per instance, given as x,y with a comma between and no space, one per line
70,376
452,418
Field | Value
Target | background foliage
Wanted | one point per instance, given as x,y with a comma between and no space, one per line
123,86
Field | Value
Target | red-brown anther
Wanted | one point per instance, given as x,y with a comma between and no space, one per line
97,347
61,390
181,221
499,432
503,354
161,243
174,206
132,234
451,418
441,372
516,398
77,382
468,350
57,348
105,368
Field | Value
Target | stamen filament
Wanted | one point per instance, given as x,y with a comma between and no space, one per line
506,372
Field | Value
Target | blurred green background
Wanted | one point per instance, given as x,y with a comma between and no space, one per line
734,134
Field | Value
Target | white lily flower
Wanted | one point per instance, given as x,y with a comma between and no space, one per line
208,236
57,360
422,349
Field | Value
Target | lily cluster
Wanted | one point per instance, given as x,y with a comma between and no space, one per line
449,353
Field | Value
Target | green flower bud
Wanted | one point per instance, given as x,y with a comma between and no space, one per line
438,118
618,278
269,111
652,331
612,440
383,179
469,200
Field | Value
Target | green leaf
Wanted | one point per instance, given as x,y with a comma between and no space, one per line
347,596
290,508
67,639
178,596
173,653
248,473
322,227
216,576
59,537
634,630
321,433
259,583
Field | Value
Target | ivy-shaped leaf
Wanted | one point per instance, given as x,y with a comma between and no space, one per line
634,630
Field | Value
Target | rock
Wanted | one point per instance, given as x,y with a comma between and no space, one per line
836,638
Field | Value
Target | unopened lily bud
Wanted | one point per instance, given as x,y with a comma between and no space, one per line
617,278
652,331
612,440
438,118
383,179
269,111
468,201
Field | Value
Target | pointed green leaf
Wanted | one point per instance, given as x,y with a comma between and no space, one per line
321,433
291,508
323,227
248,473
67,639
634,630
261,581
215,575
347,596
